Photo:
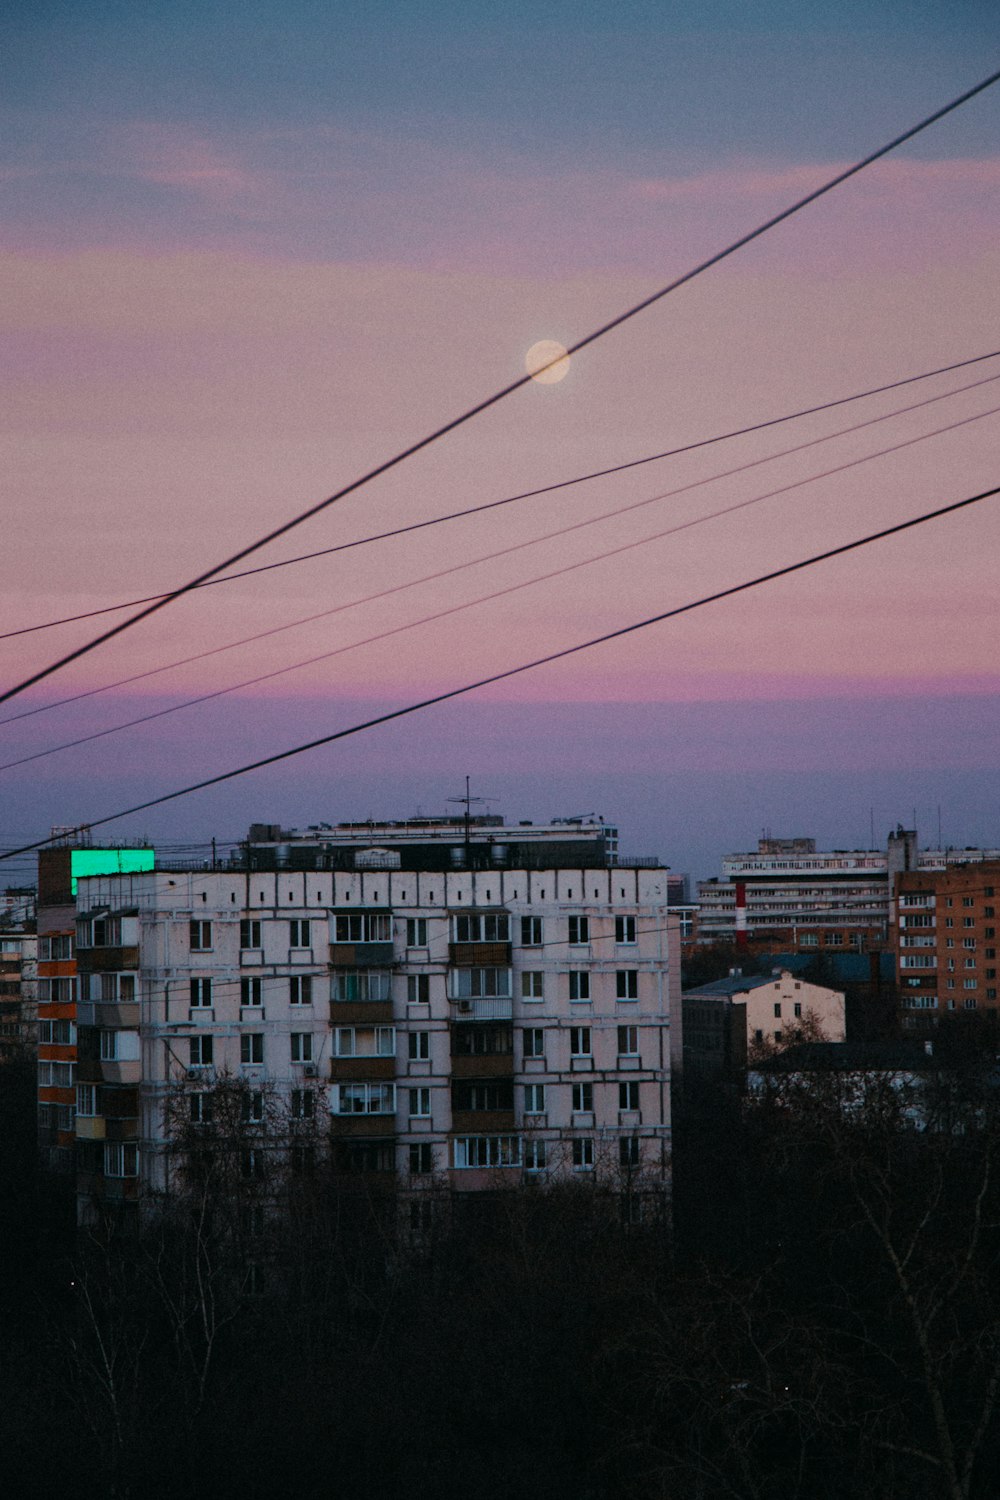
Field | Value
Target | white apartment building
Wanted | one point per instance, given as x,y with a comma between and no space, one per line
796,896
459,1026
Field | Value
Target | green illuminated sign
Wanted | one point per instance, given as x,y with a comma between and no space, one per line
109,862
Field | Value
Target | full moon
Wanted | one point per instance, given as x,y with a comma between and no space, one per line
542,354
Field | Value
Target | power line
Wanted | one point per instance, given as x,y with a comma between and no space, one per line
507,390
540,661
514,587
518,547
545,489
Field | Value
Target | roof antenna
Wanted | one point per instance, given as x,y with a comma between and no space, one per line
467,801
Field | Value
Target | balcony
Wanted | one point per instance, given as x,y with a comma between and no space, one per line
489,1065
360,1012
480,955
482,1121
362,1070
361,955
489,1008
102,960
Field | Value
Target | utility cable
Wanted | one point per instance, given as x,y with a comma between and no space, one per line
513,588
545,489
507,390
398,588
529,666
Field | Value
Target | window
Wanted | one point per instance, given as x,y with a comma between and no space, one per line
627,984
798,1010
364,927
583,1098
628,1041
362,984
303,1104
777,1036
628,1151
968,921
534,1098
201,993
968,984
477,984
949,921
482,927
534,1156
252,1048
420,1046
421,1159
579,984
344,1041
363,1099
533,1041
579,1041
487,1151
252,1163
299,935
416,932
252,1108
250,933
418,989
967,901
86,1099
628,1094
201,936
302,1046
579,930
777,1010
200,1109
531,932
121,1159
200,1051
482,1094
970,963
583,1154
251,991
482,1041
420,1104
624,929
109,1046
533,985
300,989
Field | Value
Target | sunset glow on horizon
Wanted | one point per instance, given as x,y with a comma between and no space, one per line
225,302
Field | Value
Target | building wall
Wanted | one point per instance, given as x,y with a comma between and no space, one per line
945,941
433,1053
786,1002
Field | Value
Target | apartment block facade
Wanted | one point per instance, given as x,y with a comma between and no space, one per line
427,1012
945,941
790,895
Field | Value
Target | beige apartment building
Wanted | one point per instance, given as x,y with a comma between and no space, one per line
778,1007
447,1004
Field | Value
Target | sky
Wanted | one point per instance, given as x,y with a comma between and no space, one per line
249,252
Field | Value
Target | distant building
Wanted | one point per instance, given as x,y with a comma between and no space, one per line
788,895
18,989
945,941
775,1007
